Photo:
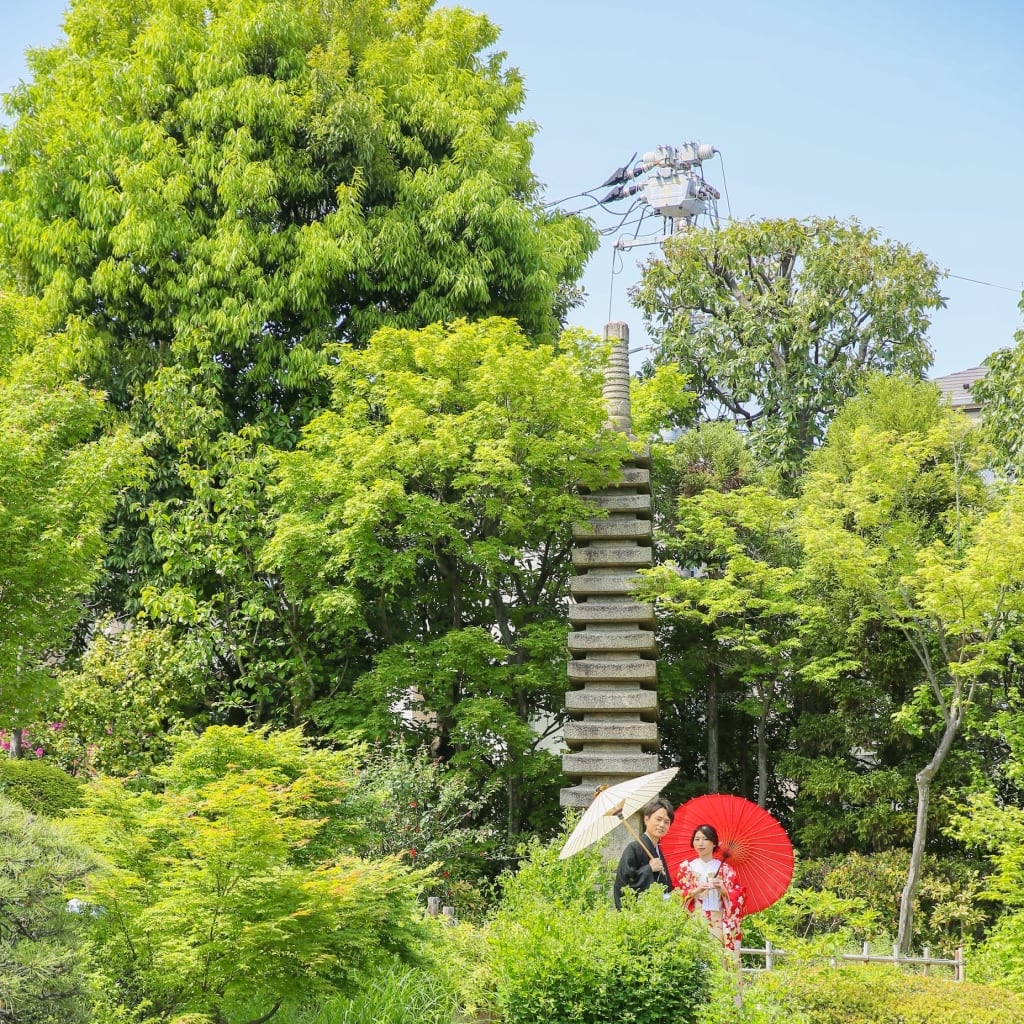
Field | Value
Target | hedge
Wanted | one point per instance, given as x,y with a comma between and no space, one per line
879,994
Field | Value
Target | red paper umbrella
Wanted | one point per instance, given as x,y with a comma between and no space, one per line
750,840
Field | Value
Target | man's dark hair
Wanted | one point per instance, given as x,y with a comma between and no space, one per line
659,803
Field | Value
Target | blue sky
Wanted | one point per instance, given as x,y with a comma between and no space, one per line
905,115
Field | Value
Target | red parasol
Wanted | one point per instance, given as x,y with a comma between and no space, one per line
750,840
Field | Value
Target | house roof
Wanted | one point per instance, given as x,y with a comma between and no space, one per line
957,387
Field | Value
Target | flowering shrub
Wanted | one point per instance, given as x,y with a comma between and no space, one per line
422,811
28,746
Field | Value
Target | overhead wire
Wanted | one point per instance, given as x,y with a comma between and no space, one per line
625,221
622,219
616,258
987,284
725,186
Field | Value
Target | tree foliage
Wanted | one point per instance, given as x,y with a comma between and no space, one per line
746,591
1001,392
899,527
59,479
777,322
425,519
208,194
250,179
118,708
40,962
230,882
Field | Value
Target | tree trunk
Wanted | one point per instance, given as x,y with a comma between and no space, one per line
515,807
762,751
16,750
905,934
712,725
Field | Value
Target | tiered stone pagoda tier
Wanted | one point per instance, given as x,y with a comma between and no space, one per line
612,670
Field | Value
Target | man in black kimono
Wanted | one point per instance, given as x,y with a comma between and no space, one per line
642,864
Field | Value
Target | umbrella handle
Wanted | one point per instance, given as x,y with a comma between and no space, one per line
629,828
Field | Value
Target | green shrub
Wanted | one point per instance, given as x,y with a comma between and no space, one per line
878,994
426,812
999,960
39,787
858,899
559,953
229,883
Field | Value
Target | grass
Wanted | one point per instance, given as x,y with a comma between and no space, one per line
396,995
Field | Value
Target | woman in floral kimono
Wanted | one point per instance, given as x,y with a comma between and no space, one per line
710,884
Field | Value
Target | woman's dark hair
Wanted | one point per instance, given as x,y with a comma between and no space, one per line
707,830
659,803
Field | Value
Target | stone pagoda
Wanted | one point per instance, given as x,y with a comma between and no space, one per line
612,671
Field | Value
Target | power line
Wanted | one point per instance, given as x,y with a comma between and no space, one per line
987,284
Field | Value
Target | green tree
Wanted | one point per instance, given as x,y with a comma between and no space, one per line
778,322
747,592
899,529
59,479
40,956
426,519
206,194
697,695
230,882
993,826
1001,391
133,689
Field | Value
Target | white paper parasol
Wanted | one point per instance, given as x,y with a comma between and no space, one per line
612,806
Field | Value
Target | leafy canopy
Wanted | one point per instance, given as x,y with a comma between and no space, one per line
59,479
425,519
901,529
232,184
778,321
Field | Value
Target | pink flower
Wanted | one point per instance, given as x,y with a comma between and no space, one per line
39,751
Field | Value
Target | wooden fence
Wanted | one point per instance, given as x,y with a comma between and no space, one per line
770,954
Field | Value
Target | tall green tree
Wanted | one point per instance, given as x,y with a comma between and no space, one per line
750,667
747,592
900,529
994,827
60,474
778,322
206,194
425,519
